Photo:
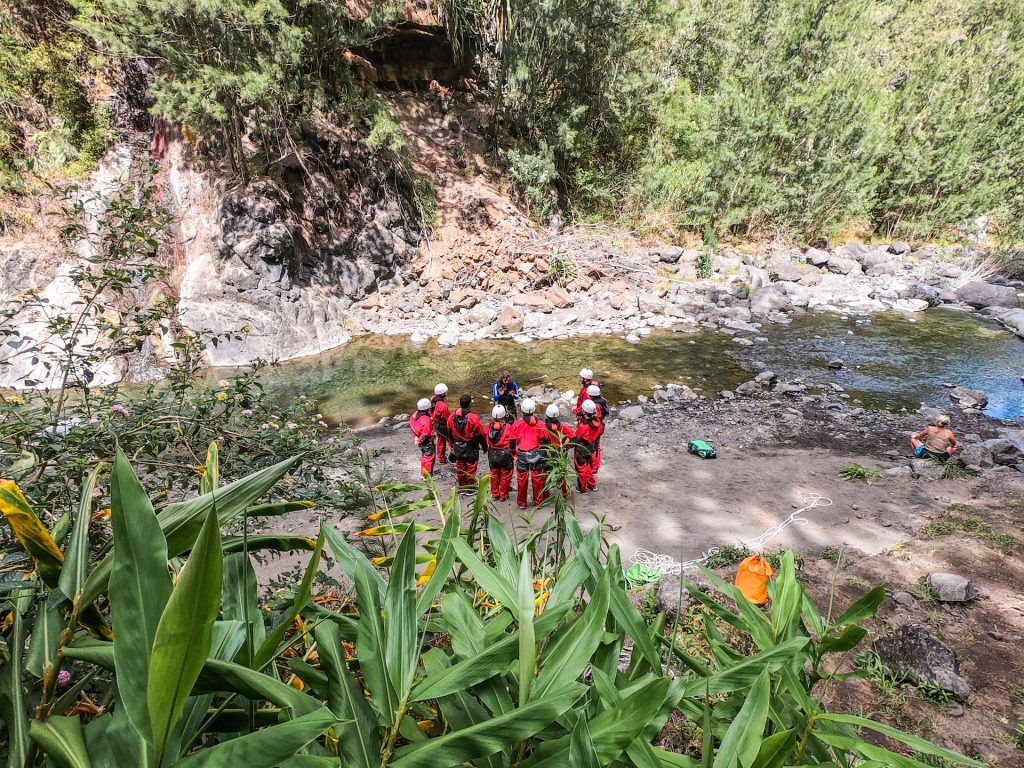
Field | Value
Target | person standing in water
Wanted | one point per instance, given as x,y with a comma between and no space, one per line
500,449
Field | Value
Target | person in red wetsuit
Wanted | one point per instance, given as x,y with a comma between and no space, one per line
499,453
439,413
588,432
594,393
467,435
559,434
530,435
586,380
422,427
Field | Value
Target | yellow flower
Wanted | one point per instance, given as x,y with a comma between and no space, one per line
222,396
16,399
224,383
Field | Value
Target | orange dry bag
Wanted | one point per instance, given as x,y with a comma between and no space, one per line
752,579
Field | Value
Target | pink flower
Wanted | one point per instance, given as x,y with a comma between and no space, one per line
63,677
119,410
247,413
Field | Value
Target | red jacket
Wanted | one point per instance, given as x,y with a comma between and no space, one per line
439,413
499,435
422,427
559,433
529,435
583,396
589,430
473,430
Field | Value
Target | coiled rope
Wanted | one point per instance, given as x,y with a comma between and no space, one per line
667,564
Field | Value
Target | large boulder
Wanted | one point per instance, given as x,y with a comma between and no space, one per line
771,298
899,247
816,257
952,588
979,295
968,398
670,255
1013,319
842,265
1005,452
784,268
912,653
921,291
632,413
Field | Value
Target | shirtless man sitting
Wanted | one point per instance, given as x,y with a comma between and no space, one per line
936,442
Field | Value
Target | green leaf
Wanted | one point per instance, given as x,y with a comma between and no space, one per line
483,739
445,559
302,597
359,733
568,656
61,739
265,748
743,738
351,560
743,674
864,608
241,601
45,636
914,742
527,637
401,637
185,634
370,645
498,587
139,588
13,708
612,730
848,640
582,753
76,560
775,750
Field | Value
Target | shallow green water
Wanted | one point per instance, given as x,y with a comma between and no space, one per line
892,361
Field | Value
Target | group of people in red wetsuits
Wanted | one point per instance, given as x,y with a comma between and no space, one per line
524,445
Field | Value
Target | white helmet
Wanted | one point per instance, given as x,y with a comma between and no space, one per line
586,373
589,406
441,389
498,412
552,411
593,390
423,404
529,406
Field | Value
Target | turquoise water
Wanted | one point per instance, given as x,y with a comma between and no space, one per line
892,361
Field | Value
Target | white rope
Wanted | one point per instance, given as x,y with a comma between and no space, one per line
667,564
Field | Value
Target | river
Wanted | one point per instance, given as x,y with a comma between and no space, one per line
892,361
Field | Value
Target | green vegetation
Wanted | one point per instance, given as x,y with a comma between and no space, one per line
970,525
801,118
856,471
504,649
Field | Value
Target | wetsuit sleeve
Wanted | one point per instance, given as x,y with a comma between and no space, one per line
494,392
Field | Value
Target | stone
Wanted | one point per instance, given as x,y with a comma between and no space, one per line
905,599
462,298
662,396
979,295
968,398
926,468
1005,452
910,305
764,378
448,339
632,413
510,320
790,389
536,302
727,394
836,364
670,255
816,257
976,455
558,297
771,298
923,292
841,265
952,588
899,247
748,388
784,269
913,654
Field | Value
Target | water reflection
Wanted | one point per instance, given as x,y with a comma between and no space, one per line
891,361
